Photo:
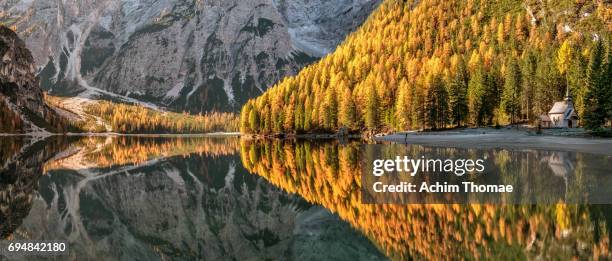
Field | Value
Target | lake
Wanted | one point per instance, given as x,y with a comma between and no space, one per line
156,198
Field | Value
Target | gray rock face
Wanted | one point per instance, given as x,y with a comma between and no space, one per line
20,93
317,26
184,54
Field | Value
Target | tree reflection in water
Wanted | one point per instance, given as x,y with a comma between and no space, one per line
329,174
191,198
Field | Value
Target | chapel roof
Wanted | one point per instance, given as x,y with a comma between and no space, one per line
571,113
559,107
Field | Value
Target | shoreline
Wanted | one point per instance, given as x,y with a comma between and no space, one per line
114,134
511,139
479,138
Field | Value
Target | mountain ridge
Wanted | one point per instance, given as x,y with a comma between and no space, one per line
191,56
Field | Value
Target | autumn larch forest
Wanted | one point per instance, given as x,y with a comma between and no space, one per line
436,64
102,116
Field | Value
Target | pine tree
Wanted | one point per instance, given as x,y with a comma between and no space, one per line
268,120
253,120
416,108
512,86
299,116
493,92
402,106
331,109
576,80
289,115
244,118
371,112
436,104
528,72
607,80
347,112
549,84
595,114
476,95
308,114
458,94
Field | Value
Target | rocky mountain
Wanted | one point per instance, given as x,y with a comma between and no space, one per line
183,54
22,107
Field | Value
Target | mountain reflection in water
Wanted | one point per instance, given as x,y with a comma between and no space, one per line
157,198
226,198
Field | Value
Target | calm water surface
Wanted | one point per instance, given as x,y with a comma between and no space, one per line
132,198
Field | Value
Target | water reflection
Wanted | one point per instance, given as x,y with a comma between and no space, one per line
328,174
20,170
225,198
536,176
562,166
560,163
102,152
154,198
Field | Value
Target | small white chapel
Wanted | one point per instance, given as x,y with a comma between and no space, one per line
561,115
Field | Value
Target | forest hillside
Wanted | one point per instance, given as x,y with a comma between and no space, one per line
436,64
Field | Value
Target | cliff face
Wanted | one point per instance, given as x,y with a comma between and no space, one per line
187,55
22,107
